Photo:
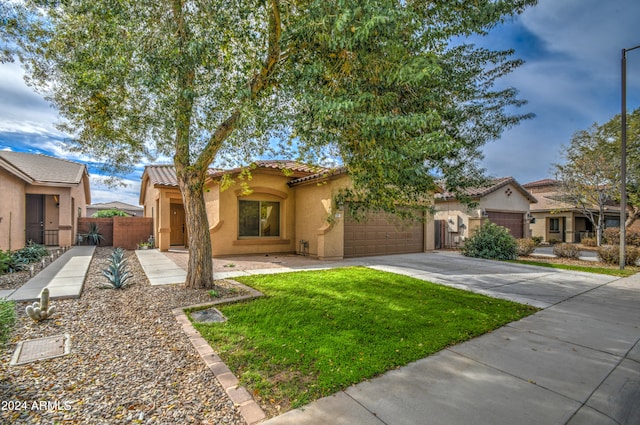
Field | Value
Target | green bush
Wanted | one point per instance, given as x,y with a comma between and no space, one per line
566,250
610,254
7,319
109,213
525,247
490,241
5,261
31,253
589,241
537,240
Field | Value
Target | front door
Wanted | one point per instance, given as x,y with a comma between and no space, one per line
178,232
35,218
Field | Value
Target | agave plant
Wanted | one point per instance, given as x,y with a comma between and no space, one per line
117,273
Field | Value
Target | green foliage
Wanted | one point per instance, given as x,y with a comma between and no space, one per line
537,240
566,250
315,333
93,235
117,273
213,293
490,241
375,85
7,319
40,310
109,213
31,253
610,254
588,269
525,247
5,261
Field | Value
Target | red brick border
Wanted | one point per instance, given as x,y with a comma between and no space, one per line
251,411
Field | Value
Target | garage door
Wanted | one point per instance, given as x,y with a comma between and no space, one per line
380,233
512,221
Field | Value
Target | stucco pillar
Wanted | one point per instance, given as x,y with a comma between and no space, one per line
164,223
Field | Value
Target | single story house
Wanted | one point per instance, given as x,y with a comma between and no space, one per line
557,220
504,202
132,210
290,209
42,198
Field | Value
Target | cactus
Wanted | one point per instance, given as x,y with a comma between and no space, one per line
41,310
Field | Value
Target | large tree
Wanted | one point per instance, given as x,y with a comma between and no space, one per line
589,179
377,83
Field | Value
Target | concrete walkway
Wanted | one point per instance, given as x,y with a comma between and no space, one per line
64,277
159,269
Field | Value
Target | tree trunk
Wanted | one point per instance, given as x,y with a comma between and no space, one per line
200,271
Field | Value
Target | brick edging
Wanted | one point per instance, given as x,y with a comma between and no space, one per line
251,411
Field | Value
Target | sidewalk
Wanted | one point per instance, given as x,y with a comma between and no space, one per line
64,277
577,363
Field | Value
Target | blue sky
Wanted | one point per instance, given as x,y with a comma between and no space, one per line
571,78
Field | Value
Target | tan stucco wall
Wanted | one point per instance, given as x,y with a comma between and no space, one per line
319,222
12,212
222,211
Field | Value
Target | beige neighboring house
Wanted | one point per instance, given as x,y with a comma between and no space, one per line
291,209
504,202
132,210
42,197
561,221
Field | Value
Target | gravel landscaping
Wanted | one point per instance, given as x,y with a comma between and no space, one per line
130,361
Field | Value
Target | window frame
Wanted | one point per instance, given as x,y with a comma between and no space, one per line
260,223
551,227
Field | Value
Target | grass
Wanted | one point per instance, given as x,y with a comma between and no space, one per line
316,333
611,270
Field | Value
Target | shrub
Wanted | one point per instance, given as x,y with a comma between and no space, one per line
537,240
5,261
554,241
117,273
109,213
490,241
610,254
31,253
525,247
611,236
566,250
7,319
589,241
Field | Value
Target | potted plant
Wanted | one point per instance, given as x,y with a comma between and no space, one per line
93,235
144,245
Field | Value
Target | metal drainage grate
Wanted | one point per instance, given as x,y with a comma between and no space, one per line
209,315
41,349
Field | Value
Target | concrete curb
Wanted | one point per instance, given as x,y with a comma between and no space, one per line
251,411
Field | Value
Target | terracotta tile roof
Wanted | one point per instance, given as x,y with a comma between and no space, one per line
42,169
327,172
543,182
162,175
299,169
495,184
555,201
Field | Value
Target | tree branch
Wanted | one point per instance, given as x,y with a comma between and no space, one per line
258,83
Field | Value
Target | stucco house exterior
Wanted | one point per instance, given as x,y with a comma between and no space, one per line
290,209
504,202
42,198
558,220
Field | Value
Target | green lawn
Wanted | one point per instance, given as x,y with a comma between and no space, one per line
318,332
611,270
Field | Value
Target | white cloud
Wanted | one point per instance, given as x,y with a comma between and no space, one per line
129,193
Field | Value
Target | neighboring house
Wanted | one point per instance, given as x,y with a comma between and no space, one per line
559,220
132,210
291,209
42,197
504,202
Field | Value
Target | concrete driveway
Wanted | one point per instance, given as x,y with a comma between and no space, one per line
537,286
